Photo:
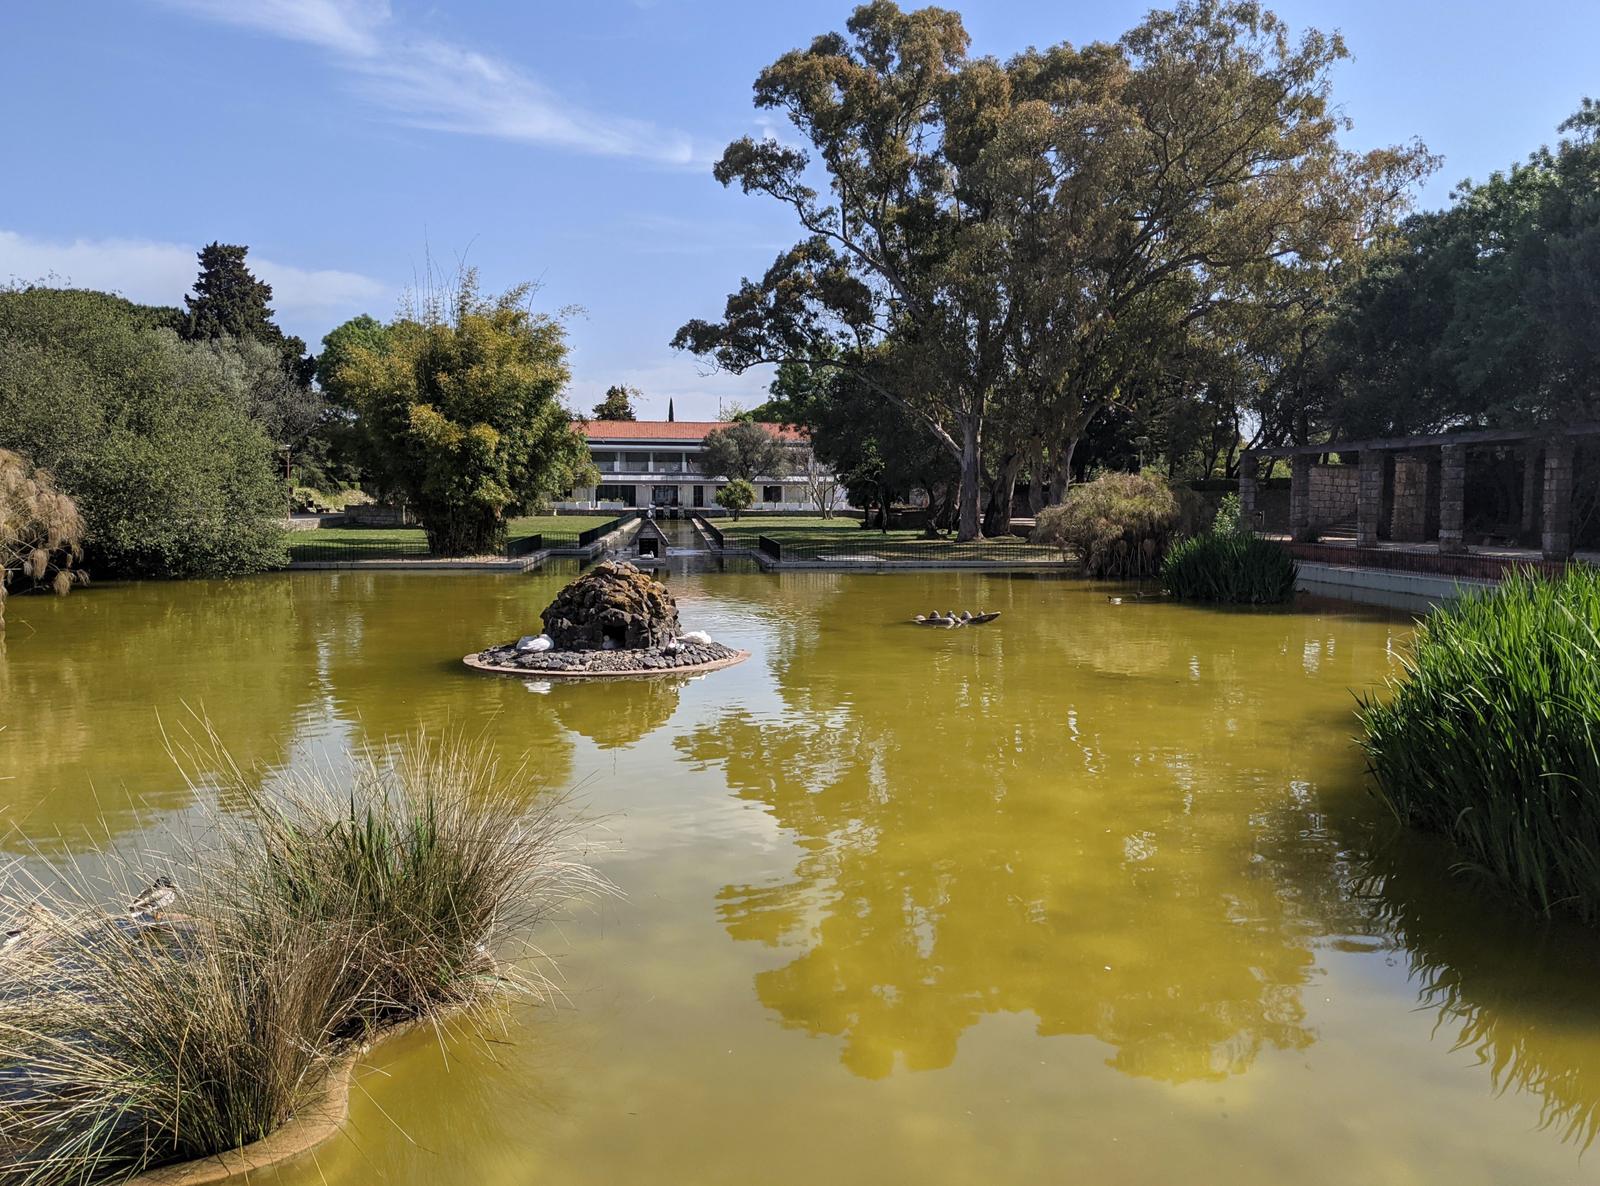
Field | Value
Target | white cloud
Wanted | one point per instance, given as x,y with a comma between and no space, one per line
429,83
694,394
309,301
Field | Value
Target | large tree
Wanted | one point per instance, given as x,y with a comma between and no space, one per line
617,405
229,301
152,437
461,404
1486,313
745,450
1008,249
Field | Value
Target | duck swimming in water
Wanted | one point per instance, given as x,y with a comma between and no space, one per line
161,894
34,918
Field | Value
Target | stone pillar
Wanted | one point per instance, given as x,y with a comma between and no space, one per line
1300,498
1409,518
1558,500
1452,497
1369,498
1530,490
1247,490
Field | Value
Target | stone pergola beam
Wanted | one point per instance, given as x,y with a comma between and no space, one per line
1405,444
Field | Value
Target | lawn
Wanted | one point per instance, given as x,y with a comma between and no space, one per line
559,531
813,538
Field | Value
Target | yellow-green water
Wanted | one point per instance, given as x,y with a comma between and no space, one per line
1092,894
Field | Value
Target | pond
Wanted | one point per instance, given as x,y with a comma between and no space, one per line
1094,893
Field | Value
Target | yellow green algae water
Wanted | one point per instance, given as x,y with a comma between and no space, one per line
1095,893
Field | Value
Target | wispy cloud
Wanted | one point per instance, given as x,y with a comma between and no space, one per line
309,301
695,395
431,83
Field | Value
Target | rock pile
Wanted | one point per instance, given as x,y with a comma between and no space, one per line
613,606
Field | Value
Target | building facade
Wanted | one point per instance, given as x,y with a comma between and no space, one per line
656,463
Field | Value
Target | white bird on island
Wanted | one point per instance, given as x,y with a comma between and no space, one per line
534,643
161,894
699,636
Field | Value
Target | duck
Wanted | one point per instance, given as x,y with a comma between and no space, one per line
34,918
694,636
535,643
161,894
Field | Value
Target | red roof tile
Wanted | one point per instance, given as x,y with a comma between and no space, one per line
670,430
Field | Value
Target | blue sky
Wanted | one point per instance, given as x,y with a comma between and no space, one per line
567,143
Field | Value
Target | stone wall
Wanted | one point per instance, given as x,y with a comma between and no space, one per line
1333,494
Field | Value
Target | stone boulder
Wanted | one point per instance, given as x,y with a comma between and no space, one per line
613,606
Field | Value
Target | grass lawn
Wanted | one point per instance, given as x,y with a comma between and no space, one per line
557,530
809,538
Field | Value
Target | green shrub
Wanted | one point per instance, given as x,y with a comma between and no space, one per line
1232,569
341,904
1491,737
1119,525
151,436
736,496
1230,517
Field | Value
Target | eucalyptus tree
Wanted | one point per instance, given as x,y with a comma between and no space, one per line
1014,247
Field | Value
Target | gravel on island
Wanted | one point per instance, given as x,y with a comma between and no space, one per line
667,658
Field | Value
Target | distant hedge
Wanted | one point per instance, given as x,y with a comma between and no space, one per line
1491,737
152,436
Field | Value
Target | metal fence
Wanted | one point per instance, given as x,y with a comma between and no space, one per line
586,538
349,551
711,530
769,547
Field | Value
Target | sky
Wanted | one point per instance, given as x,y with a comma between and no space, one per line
350,142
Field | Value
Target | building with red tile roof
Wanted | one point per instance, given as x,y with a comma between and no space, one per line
656,463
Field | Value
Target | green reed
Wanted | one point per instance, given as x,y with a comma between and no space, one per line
1491,737
1231,569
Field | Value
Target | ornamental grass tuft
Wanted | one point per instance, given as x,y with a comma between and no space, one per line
1490,737
319,909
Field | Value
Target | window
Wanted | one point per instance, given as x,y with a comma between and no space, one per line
622,494
772,494
699,496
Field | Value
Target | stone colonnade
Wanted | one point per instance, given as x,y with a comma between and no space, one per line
1429,487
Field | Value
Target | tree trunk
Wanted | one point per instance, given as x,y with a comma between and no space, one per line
971,481
1061,472
458,531
1036,480
997,518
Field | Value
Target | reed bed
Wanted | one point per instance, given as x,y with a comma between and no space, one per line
1491,737
1230,569
319,910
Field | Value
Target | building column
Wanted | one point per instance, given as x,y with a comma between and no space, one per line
1530,489
1369,498
1247,490
1300,498
1558,500
1452,498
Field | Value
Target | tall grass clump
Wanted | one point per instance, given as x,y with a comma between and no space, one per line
1119,525
322,908
1231,569
1491,737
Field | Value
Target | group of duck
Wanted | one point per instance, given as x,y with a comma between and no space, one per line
146,908
951,619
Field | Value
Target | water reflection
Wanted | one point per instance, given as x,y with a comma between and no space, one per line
285,668
999,825
1515,994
